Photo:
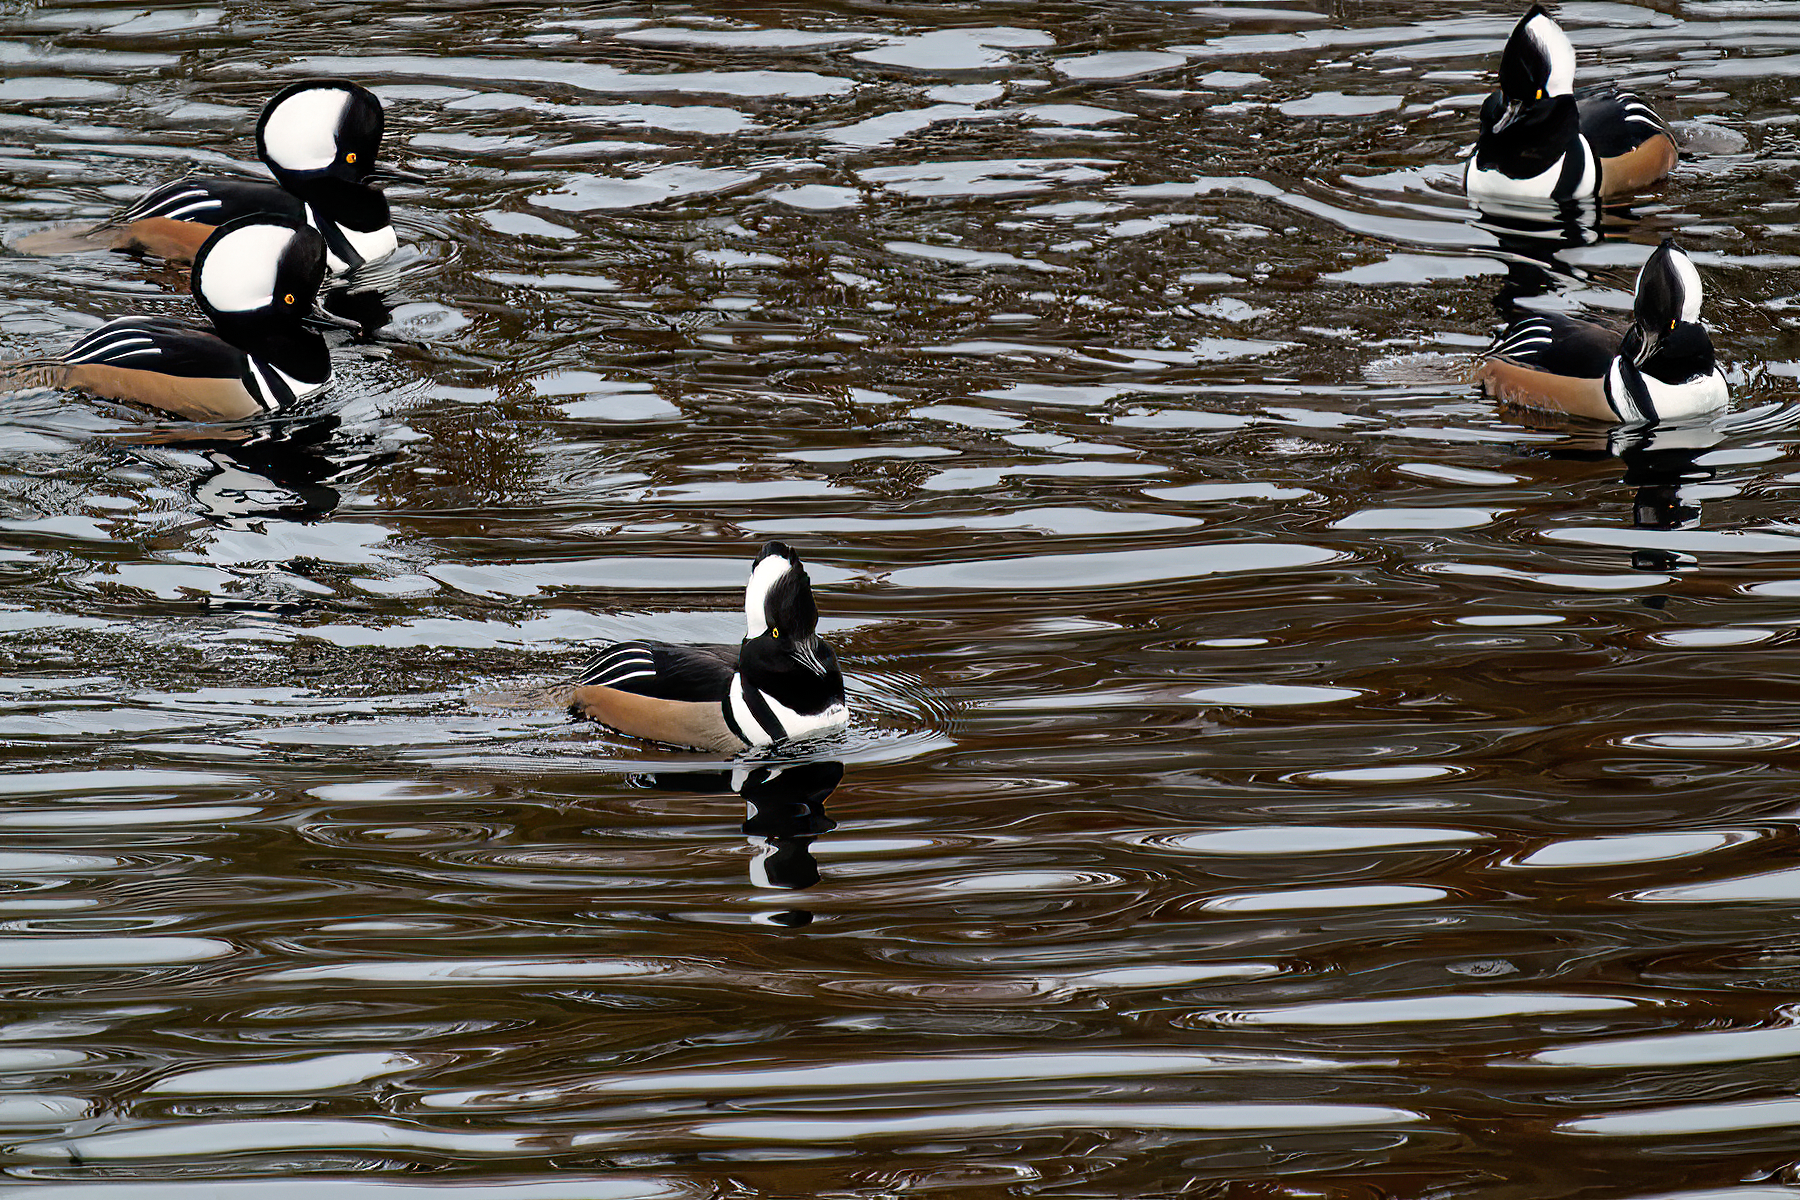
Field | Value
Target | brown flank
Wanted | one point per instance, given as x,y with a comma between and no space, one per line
677,722
1647,163
1510,383
192,399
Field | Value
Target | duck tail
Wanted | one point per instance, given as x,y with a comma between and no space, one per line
72,239
555,697
30,374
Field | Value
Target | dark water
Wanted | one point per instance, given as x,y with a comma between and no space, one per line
1274,772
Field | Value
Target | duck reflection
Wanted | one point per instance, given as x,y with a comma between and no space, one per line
289,468
1532,239
786,811
1663,463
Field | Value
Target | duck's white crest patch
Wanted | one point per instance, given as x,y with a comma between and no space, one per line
301,134
239,272
1690,283
763,578
1557,51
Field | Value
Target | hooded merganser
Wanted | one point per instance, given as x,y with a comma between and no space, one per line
257,278
1543,141
782,682
1661,368
319,138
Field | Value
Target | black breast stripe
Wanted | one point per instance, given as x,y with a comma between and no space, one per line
1575,160
335,241
266,385
731,722
1637,395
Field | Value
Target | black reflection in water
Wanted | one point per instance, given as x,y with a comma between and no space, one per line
1533,238
786,812
1661,462
290,470
364,307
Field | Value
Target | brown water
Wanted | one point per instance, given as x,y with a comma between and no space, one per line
1273,772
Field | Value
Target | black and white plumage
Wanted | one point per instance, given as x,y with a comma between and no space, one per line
782,682
258,280
319,138
1542,141
1660,368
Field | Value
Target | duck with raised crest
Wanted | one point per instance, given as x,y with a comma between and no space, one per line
257,278
319,138
782,682
1542,141
1660,369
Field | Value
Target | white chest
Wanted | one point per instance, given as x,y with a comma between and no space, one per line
1670,401
793,724
374,245
1479,181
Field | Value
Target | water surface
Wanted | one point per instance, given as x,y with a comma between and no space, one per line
1274,771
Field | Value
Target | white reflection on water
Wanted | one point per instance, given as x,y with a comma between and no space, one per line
1221,1118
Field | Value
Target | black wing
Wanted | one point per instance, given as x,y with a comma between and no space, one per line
663,671
213,202
1615,121
157,344
1558,345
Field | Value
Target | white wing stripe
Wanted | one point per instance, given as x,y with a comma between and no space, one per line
613,680
173,201
105,349
184,210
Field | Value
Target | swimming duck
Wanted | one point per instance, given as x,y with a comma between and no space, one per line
1543,141
781,682
319,138
1660,368
257,278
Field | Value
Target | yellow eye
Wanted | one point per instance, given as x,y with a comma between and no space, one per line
351,157
1671,324
288,299
1540,96
774,632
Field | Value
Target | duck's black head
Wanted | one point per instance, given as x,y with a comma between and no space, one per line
783,654
779,597
1666,337
1538,62
320,128
257,279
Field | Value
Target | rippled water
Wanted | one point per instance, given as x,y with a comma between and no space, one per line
1274,771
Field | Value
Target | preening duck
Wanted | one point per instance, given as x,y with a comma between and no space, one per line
781,682
257,279
1542,141
319,138
1660,368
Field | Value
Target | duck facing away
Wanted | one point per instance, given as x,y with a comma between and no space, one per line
1661,368
781,683
257,279
1542,141
319,139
